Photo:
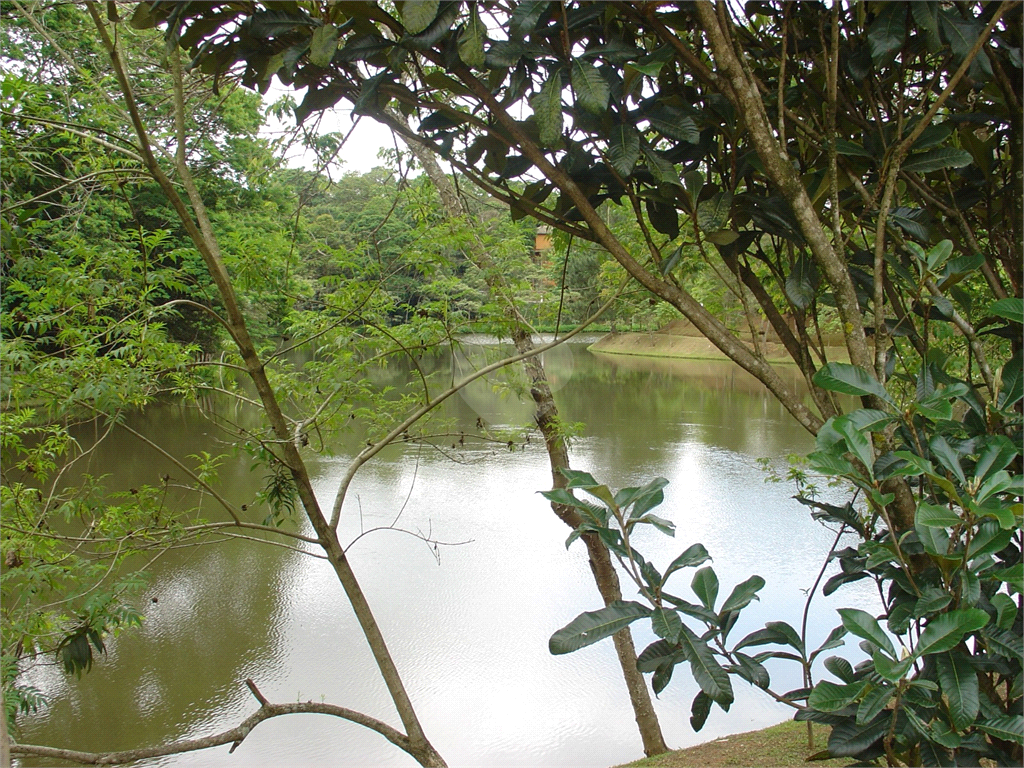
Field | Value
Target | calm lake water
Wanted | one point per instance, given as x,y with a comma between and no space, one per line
469,631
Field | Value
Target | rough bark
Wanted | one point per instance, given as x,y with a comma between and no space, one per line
546,415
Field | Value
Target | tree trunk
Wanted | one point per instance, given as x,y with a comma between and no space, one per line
200,231
558,457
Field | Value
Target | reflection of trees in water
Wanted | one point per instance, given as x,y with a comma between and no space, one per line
185,668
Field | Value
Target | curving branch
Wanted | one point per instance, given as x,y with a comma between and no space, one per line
234,736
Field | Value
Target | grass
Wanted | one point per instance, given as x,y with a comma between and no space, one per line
776,747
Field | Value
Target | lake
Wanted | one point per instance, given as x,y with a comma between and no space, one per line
467,623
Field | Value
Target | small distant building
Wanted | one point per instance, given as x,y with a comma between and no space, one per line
542,241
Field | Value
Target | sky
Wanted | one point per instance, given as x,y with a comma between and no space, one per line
360,152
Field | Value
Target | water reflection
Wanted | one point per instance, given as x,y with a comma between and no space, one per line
469,634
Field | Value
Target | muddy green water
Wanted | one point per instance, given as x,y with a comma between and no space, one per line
468,625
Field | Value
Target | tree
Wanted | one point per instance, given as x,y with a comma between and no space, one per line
863,157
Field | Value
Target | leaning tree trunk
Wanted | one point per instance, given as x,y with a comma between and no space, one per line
601,564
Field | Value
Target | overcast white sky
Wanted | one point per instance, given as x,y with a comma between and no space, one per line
359,154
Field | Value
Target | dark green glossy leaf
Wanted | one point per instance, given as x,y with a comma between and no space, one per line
874,701
830,697
699,710
711,678
752,671
590,87
664,218
713,213
705,586
937,159
656,654
1012,380
887,31
835,639
592,626
935,516
624,149
802,282
849,739
742,594
666,624
947,456
864,625
547,107
1007,728
945,631
850,380
959,682
1009,309
694,555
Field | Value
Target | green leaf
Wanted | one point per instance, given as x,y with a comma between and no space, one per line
849,739
945,631
752,671
1006,610
723,237
323,45
857,442
664,217
831,697
887,31
471,41
592,626
1009,309
699,710
657,653
1012,381
578,478
742,594
592,92
959,682
936,517
713,213
695,554
417,14
705,586
947,456
547,107
849,149
624,149
835,639
666,624
937,159
802,282
661,169
998,452
711,678
850,380
890,670
1007,728
694,183
874,701
863,624
665,526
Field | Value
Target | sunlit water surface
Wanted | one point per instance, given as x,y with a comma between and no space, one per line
467,624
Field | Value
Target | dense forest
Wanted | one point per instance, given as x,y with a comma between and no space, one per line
818,175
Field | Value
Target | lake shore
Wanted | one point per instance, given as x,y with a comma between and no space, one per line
778,746
680,339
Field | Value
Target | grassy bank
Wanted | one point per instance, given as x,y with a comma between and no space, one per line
780,746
